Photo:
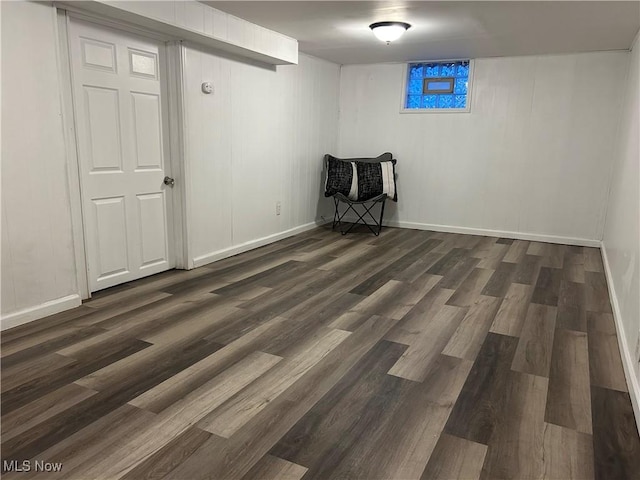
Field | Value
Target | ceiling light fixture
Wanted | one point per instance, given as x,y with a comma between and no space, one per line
389,31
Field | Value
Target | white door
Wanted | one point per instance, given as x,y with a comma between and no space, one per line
120,127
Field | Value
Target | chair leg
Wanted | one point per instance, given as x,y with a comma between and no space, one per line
367,211
375,227
353,224
336,217
381,214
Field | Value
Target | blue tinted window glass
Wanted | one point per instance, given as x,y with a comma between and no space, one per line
461,85
462,69
445,101
432,70
433,85
438,78
413,101
415,85
429,101
416,71
448,69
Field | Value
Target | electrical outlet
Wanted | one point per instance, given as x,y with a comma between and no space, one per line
278,208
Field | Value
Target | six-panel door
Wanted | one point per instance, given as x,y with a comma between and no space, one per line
120,129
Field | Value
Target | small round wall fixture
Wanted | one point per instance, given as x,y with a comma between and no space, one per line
389,31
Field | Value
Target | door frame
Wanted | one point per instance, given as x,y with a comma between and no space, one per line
172,85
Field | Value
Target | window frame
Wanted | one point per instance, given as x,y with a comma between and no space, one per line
405,78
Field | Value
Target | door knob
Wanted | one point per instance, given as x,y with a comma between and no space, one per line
169,181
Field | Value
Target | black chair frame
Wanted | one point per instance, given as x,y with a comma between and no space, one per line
367,206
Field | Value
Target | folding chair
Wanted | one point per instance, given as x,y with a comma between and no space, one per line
360,184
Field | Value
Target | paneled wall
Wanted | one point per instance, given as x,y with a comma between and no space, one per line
532,158
621,241
38,267
257,140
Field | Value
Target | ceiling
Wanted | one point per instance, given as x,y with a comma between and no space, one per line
339,31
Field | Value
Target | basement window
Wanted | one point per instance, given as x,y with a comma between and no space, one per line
437,87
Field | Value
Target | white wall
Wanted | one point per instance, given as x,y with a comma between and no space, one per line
532,158
38,268
621,242
536,121
257,140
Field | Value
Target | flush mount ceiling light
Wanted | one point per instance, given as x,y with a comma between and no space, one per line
389,31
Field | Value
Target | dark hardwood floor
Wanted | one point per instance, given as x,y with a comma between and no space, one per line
413,355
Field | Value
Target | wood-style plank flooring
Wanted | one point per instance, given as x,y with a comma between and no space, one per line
413,355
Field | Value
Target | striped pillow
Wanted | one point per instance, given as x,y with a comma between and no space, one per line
361,179
375,178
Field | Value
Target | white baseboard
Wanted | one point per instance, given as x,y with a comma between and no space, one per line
536,237
244,247
39,311
625,352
